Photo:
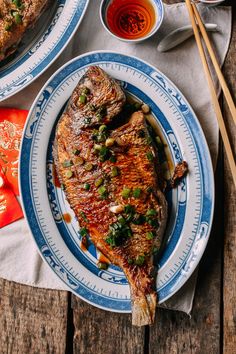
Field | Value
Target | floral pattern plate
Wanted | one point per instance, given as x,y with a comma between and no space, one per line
190,205
41,46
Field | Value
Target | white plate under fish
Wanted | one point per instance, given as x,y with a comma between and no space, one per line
41,45
190,205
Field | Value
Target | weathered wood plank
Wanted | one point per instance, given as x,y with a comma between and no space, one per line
104,332
175,332
229,283
32,320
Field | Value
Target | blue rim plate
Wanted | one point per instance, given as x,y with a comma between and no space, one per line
190,205
61,21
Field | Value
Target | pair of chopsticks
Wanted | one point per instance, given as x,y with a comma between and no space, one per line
197,25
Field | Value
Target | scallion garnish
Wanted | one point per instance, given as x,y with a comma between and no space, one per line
79,160
150,156
87,186
82,99
17,18
98,182
137,192
129,209
68,173
102,265
88,166
67,163
149,235
151,212
103,192
83,231
125,192
113,158
83,216
76,152
139,260
102,128
114,172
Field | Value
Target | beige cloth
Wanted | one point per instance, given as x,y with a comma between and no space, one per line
19,259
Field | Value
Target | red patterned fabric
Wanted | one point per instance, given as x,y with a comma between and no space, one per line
11,126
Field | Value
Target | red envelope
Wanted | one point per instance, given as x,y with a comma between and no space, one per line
10,209
11,126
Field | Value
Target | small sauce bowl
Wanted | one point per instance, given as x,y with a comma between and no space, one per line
131,20
211,2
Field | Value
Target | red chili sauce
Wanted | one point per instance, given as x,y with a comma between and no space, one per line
131,19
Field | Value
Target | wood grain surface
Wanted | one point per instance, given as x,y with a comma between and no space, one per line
229,278
42,321
104,332
200,333
32,320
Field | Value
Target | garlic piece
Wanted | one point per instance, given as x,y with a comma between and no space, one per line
116,209
109,142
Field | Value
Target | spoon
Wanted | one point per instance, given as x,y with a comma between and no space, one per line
180,35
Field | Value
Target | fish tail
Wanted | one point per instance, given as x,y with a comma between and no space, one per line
143,309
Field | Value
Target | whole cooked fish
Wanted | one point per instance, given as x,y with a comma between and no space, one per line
16,16
111,183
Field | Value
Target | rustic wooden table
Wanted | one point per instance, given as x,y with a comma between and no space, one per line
45,321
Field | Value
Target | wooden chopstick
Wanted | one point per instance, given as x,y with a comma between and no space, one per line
215,64
215,101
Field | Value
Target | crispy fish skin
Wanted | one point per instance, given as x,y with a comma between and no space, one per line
128,200
15,18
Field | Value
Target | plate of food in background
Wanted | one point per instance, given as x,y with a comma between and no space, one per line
167,138
33,34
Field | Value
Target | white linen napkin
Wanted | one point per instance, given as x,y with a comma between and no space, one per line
19,259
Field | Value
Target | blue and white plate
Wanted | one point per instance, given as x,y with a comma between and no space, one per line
190,205
41,46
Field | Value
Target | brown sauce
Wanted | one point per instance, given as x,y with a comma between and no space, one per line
84,244
56,181
66,217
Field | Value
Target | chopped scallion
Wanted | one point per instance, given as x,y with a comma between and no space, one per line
86,91
121,220
125,192
112,158
68,174
83,231
102,265
8,27
129,209
102,128
151,212
82,99
137,192
87,186
76,152
150,156
88,166
149,235
99,182
114,171
79,160
83,216
103,192
67,163
139,260
17,17
17,3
